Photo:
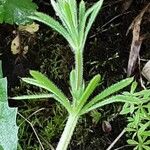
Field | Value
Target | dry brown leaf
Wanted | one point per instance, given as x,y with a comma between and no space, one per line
31,28
136,41
15,45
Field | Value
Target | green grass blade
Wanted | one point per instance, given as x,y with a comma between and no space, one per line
110,90
113,99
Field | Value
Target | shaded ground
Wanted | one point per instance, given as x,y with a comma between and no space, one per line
106,52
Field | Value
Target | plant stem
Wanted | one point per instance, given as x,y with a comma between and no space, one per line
79,69
68,132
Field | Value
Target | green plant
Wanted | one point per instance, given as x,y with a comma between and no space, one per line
139,121
75,27
16,11
8,127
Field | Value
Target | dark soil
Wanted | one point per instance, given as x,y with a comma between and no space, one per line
106,52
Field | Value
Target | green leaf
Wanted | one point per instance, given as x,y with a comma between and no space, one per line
1,14
96,116
69,14
73,80
143,93
1,148
147,142
125,109
113,99
3,90
137,118
62,15
8,127
81,11
146,147
89,90
132,108
82,26
145,133
93,15
83,29
144,127
16,11
133,87
55,25
109,91
42,81
35,96
59,13
132,142
130,130
73,6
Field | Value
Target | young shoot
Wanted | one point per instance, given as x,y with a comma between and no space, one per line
74,25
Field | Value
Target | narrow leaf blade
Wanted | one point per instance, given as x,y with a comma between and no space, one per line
114,99
35,96
55,25
42,81
96,9
89,90
111,90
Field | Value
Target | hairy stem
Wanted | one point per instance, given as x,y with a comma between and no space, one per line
79,69
68,132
